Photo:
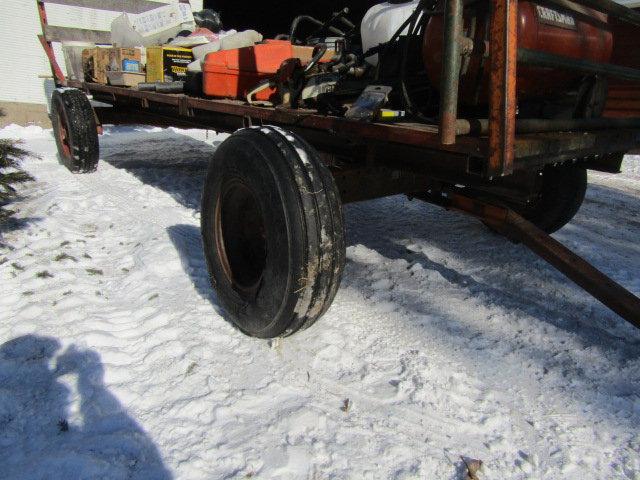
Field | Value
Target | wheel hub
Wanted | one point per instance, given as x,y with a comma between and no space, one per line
240,237
63,135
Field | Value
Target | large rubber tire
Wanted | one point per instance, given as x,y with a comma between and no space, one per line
561,196
273,232
75,129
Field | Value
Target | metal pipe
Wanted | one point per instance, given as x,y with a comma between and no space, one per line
452,61
503,45
540,125
613,9
542,59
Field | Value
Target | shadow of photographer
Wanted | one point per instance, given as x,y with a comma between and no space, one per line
51,430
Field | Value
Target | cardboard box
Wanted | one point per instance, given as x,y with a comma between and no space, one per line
168,64
305,54
97,62
124,59
125,79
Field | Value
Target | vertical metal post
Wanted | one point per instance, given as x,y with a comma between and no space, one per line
451,63
502,96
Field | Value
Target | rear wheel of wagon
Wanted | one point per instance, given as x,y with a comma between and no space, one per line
75,129
561,196
273,232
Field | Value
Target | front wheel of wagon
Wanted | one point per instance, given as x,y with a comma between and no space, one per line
273,232
75,129
561,195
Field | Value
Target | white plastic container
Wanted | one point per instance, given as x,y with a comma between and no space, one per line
382,21
73,58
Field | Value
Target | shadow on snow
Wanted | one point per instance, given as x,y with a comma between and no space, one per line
37,437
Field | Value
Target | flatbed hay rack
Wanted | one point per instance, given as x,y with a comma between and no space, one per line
483,167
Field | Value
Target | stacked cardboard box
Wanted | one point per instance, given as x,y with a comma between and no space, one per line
99,61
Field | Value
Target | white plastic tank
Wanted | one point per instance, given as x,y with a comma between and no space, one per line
73,58
382,21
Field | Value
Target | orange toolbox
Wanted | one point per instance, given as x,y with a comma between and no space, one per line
234,73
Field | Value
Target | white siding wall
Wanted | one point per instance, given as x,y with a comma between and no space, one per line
22,59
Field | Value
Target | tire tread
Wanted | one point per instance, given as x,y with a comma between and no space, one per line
82,128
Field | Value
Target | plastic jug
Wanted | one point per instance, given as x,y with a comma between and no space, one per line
72,52
382,21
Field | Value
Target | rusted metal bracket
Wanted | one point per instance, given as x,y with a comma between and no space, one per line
58,76
585,275
183,107
503,47
248,121
99,127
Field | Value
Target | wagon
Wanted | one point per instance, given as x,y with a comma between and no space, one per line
272,222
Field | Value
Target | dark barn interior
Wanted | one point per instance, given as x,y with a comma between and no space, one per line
273,18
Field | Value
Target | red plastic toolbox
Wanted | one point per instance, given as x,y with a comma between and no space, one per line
234,73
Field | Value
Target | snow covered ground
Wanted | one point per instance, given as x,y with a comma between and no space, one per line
444,341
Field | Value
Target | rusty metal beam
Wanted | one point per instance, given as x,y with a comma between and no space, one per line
532,151
585,275
360,184
48,49
451,62
54,33
412,134
502,98
55,68
543,125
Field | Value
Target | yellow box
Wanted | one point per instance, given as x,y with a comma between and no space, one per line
168,64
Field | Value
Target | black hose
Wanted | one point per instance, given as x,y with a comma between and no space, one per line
416,30
414,24
408,103
409,21
328,25
296,23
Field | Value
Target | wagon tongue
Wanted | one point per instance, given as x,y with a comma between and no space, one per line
515,227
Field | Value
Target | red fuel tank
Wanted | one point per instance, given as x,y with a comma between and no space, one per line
582,35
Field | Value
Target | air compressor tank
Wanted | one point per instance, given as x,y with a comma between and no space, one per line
582,36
